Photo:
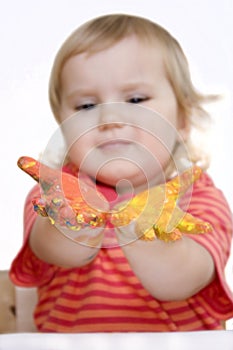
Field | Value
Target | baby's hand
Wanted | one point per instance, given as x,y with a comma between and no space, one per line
155,212
65,199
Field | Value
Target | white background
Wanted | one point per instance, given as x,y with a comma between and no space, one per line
32,31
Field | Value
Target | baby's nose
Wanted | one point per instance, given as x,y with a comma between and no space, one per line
110,117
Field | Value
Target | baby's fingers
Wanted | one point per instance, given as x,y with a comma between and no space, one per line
40,206
191,225
57,211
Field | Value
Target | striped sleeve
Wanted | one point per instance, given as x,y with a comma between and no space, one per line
209,204
26,269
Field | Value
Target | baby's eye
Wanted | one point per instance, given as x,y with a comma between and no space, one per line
85,106
137,99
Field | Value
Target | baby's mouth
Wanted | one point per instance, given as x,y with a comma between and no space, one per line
114,145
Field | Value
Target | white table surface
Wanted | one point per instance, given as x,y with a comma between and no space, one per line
206,340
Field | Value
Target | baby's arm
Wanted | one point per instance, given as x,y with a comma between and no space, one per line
52,246
171,271
153,233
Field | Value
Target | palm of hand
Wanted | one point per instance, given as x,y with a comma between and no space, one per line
157,213
70,202
65,199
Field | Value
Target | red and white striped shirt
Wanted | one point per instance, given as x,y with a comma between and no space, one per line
106,296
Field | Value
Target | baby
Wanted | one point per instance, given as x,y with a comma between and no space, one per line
105,68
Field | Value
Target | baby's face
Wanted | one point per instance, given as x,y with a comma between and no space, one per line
127,120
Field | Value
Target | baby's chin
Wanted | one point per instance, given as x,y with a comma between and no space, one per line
128,179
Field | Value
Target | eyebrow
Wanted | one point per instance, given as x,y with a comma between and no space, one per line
137,84
80,92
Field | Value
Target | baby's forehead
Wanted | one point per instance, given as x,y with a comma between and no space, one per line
128,50
136,50
127,60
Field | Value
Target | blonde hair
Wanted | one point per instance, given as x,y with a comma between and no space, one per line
103,32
